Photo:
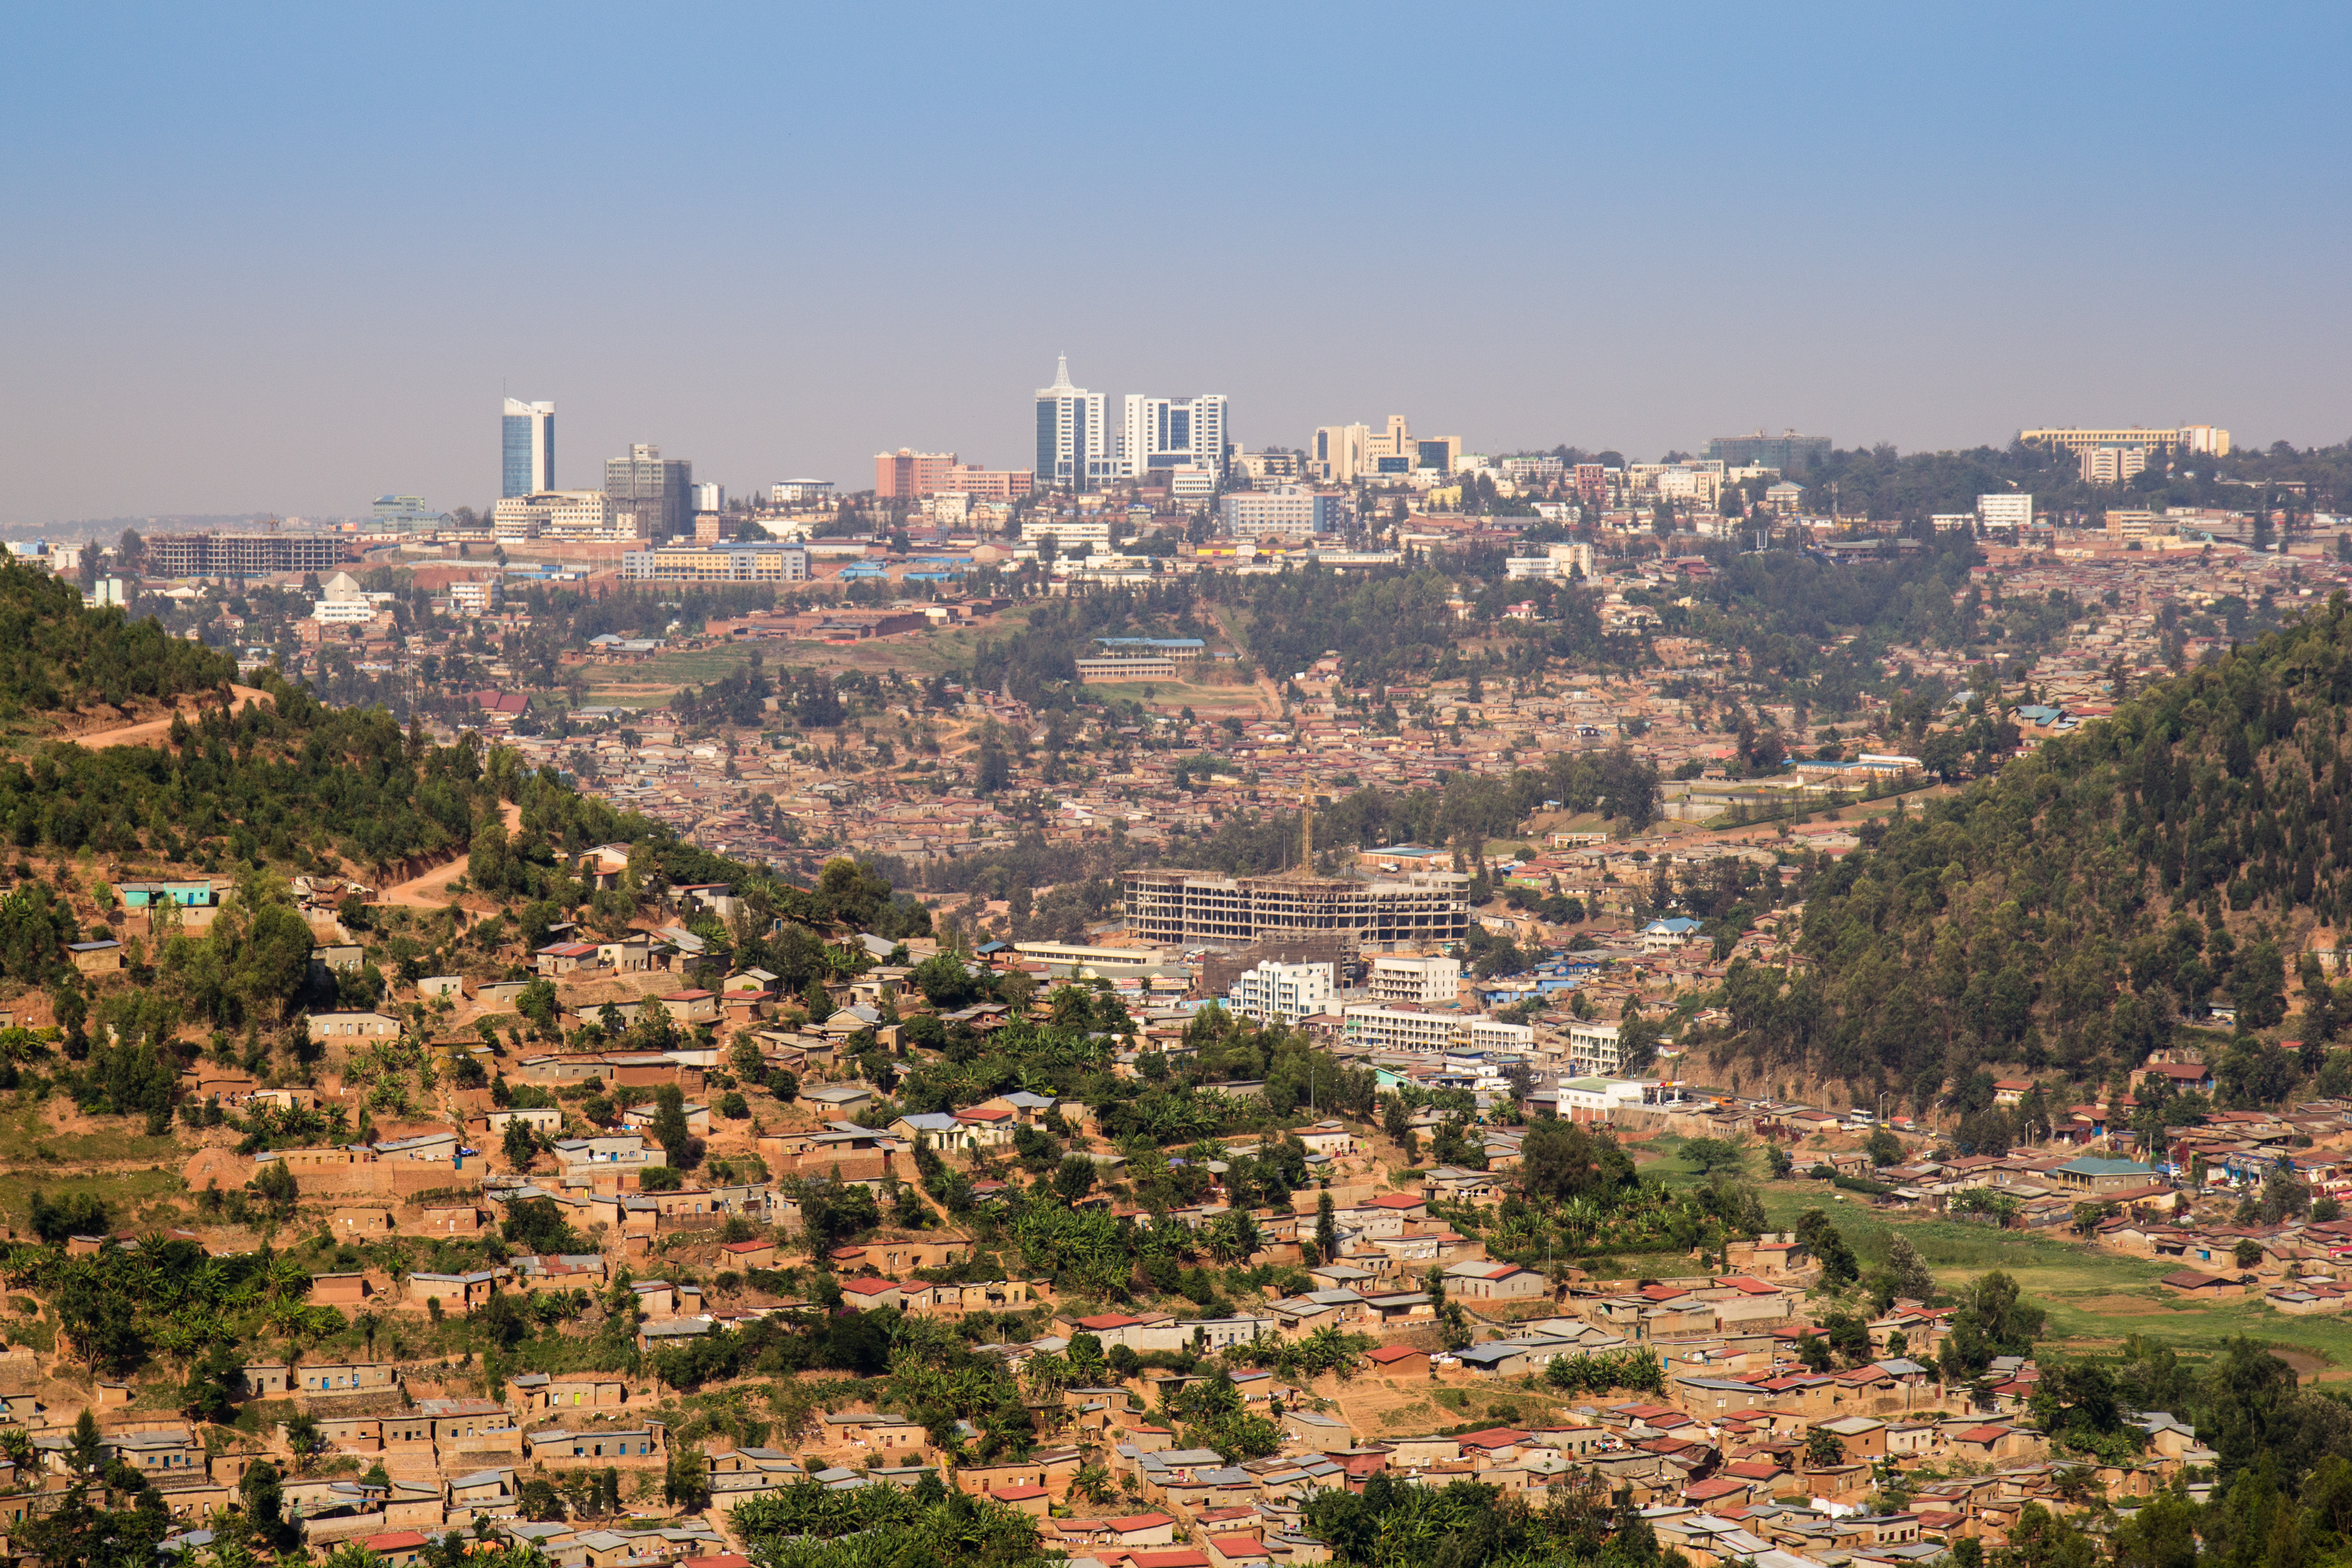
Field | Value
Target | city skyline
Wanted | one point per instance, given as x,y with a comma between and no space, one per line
1556,231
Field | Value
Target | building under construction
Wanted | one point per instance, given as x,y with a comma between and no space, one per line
1203,908
241,555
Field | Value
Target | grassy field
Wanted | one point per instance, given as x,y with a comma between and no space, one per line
2095,1299
134,1174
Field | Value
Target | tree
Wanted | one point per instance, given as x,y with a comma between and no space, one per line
1828,1248
669,1128
1560,1160
275,1185
1074,1178
1885,1148
1992,1319
2247,1253
1823,1449
1907,1274
1709,1156
686,1479
1327,1228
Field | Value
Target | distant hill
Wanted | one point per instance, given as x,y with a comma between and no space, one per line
2074,912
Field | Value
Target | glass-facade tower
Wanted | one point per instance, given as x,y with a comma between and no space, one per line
528,448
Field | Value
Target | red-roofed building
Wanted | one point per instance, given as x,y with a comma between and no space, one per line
1495,1442
869,1293
1025,1498
1398,1361
399,1548
1238,1551
1141,1530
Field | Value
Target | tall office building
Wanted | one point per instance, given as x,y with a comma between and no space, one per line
1339,453
1343,453
659,489
529,447
1172,433
1787,451
1074,449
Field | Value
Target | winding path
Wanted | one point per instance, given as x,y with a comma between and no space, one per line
431,891
150,731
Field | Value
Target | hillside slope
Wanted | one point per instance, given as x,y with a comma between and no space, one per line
2076,910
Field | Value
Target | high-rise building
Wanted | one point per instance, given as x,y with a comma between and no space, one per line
909,475
1787,451
659,489
527,432
906,475
1172,433
1074,449
1339,453
2110,462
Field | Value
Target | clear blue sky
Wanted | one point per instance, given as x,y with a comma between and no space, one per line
288,258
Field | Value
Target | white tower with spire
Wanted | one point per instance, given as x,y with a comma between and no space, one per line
1074,449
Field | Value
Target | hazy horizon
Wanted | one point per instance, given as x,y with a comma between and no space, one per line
286,262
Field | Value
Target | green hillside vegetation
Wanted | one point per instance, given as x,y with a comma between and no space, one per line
2077,909
55,655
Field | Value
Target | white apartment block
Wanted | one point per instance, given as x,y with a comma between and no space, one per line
1592,1048
683,562
478,598
1066,532
564,514
1413,1026
1281,992
1292,511
2006,511
1554,566
1431,981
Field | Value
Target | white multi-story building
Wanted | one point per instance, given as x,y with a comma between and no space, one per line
1401,1026
479,597
1557,564
798,492
2006,511
1290,511
1074,451
1434,980
753,562
564,514
1172,433
1067,532
1414,1026
1592,1048
1281,992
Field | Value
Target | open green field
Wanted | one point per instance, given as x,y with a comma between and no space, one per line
113,1159
2095,1299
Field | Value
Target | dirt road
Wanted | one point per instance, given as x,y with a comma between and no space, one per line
152,731
431,892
